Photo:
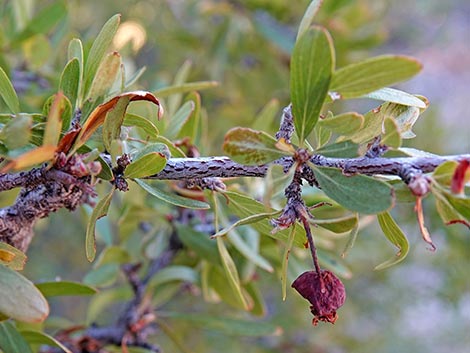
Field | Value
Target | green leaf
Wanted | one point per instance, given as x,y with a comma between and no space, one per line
249,146
393,95
70,81
247,220
147,165
267,115
225,325
393,233
172,198
444,173
275,182
244,206
12,257
322,136
11,341
343,124
344,149
102,300
307,19
37,337
391,136
184,88
335,264
44,21
8,94
192,126
20,299
351,241
174,273
199,243
112,255
113,121
285,262
367,76
312,66
338,225
179,119
103,276
58,107
100,210
17,132
64,288
98,50
142,123
357,193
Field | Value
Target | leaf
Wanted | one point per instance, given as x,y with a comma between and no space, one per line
247,220
247,146
244,206
357,193
179,119
285,262
312,66
351,241
11,341
173,335
391,136
113,121
30,158
100,210
275,182
142,123
343,124
98,50
54,120
37,337
267,115
393,95
20,299
43,21
174,273
393,233
145,166
64,288
185,87
172,198
105,75
226,325
8,94
16,133
70,81
338,225
344,149
307,19
367,76
192,126
98,115
199,243
12,257
102,276
444,173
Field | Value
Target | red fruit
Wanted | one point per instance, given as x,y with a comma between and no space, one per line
325,293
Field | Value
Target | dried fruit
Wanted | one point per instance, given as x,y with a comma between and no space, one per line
325,292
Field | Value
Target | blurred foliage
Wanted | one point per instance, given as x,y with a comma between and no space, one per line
421,305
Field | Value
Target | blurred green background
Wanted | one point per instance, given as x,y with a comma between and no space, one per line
420,305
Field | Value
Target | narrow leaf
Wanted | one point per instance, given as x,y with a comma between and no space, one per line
393,233
100,210
99,49
199,243
367,76
357,193
8,94
247,220
64,288
20,299
113,121
249,146
11,341
145,124
174,273
312,66
172,198
37,337
70,81
307,19
185,87
105,75
226,325
38,155
54,120
393,95
285,262
179,119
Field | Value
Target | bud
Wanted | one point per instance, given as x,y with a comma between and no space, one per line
326,294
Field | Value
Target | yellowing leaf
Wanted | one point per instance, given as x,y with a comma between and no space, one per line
12,257
393,233
38,155
105,75
54,120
